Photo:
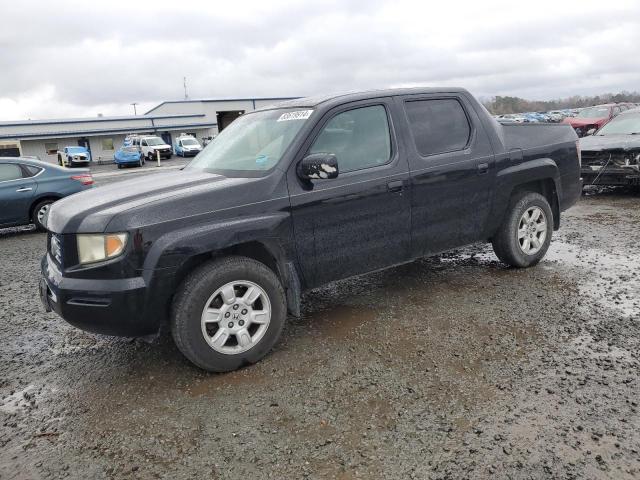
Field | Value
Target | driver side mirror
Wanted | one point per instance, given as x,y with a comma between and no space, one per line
318,166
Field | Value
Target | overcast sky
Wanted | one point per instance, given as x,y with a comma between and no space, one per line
69,58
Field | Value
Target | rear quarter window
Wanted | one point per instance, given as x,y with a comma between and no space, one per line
31,171
438,125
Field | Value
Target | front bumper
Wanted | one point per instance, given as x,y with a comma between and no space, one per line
121,307
127,161
610,175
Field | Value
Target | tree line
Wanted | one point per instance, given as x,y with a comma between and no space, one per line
501,105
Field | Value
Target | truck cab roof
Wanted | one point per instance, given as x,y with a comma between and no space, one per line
354,96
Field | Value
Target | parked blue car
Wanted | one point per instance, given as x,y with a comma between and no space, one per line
28,188
128,155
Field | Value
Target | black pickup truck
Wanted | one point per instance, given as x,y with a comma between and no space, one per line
293,196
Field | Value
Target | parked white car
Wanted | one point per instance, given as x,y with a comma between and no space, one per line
73,156
187,146
151,144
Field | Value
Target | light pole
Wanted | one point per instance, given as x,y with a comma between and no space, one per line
135,111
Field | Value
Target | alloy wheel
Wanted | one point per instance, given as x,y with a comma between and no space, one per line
532,230
42,212
236,317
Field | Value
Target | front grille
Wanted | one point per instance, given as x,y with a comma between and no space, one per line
619,158
55,248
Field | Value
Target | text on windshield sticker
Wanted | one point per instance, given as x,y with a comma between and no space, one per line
299,115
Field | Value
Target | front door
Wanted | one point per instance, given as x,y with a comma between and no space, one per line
359,221
452,172
16,193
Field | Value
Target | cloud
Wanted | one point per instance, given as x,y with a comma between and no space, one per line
82,58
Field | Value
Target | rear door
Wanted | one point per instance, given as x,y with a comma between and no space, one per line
452,172
359,221
16,193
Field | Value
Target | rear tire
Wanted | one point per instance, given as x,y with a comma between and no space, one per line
39,211
221,333
525,234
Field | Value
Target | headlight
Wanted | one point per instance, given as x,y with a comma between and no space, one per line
96,248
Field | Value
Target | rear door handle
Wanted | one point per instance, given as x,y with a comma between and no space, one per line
395,186
24,189
483,168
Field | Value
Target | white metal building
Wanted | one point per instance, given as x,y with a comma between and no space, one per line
104,135
220,112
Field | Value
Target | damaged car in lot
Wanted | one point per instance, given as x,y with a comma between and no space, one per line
611,156
592,118
293,196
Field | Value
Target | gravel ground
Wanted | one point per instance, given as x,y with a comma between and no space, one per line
450,367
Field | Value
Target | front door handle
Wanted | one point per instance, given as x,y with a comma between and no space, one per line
24,189
395,186
483,168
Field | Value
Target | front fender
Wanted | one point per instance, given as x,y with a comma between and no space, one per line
174,248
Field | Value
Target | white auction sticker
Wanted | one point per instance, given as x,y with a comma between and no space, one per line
299,115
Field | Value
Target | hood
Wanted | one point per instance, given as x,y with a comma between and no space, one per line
140,201
583,122
596,143
164,145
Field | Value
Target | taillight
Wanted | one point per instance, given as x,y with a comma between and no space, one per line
579,152
85,179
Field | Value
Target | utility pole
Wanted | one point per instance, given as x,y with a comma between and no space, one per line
135,111
184,84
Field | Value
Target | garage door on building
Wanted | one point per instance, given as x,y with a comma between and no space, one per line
9,149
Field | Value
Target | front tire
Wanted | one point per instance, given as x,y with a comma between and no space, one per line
39,212
228,313
525,234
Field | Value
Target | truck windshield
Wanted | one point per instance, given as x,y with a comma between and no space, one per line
627,124
154,141
254,142
189,141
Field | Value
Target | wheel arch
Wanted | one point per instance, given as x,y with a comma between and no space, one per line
264,238
540,175
41,198
266,252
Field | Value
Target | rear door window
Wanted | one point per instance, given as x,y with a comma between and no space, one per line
10,171
438,125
